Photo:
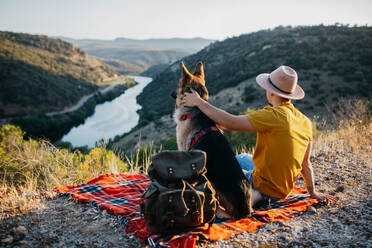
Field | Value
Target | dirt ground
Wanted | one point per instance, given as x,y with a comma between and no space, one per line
60,222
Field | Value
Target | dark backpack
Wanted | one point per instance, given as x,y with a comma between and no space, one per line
180,197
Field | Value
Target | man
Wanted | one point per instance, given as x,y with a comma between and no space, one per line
284,136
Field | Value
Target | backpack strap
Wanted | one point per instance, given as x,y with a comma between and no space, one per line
201,133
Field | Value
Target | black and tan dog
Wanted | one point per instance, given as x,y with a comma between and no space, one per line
196,131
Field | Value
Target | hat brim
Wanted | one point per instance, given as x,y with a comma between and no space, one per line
263,81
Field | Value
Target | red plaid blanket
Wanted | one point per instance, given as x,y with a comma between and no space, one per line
121,195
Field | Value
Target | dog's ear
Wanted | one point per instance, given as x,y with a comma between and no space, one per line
199,70
185,73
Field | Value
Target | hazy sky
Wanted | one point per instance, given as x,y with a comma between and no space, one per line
215,19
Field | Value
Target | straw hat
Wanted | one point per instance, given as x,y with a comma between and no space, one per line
281,82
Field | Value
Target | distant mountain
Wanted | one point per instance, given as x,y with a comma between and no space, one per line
136,56
188,45
39,74
136,60
332,62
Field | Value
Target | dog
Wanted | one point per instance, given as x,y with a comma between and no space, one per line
195,130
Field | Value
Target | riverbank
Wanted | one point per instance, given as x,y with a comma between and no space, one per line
83,100
110,119
55,127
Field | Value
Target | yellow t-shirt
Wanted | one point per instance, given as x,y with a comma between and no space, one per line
283,134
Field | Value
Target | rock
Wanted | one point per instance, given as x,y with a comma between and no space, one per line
89,229
311,210
19,232
283,224
283,236
270,227
324,243
23,242
20,229
8,240
340,188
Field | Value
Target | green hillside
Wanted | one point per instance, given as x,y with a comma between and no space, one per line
39,74
154,70
332,61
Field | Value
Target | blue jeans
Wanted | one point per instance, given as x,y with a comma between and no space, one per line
246,163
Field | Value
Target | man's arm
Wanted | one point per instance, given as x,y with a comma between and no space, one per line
228,121
308,176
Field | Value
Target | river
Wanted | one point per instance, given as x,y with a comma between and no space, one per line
110,118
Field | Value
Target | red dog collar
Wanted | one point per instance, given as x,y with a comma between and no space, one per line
185,117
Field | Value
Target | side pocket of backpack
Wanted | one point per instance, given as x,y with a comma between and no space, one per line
149,198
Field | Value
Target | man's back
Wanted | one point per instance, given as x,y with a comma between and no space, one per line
283,134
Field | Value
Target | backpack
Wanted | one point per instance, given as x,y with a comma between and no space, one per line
180,197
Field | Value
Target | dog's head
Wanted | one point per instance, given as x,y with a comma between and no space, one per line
189,81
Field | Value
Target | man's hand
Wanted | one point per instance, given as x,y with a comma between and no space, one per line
219,116
191,99
321,197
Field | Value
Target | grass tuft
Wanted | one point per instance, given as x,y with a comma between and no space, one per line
30,169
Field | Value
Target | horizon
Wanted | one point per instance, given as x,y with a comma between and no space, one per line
168,38
167,19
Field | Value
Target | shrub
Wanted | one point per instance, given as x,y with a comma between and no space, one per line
170,144
38,165
250,94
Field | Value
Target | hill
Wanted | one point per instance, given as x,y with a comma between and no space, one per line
135,56
39,74
332,62
154,70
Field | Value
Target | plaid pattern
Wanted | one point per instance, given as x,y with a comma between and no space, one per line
121,195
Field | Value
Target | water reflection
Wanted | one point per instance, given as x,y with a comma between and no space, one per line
110,118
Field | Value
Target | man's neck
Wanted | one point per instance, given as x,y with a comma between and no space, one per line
276,102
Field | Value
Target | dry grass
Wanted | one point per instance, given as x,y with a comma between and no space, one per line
19,200
141,160
30,169
348,130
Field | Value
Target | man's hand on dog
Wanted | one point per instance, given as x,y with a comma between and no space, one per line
191,99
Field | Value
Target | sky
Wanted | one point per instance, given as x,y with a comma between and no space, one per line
143,19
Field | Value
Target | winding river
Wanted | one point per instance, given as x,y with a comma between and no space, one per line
110,118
